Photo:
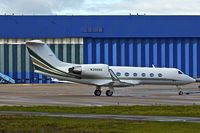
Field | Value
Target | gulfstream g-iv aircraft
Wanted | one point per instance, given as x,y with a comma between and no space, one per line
101,75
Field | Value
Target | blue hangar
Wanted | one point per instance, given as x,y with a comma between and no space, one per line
162,41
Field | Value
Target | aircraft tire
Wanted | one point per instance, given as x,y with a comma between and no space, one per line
109,93
180,93
97,92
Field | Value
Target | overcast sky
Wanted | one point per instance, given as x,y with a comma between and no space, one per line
100,7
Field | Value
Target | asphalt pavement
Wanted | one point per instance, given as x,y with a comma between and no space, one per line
82,95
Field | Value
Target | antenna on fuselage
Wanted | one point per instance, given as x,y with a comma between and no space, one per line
153,66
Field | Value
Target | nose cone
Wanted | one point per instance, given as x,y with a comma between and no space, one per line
190,79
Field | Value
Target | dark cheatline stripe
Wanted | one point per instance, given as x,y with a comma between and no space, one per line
46,71
43,61
46,68
50,66
38,57
37,62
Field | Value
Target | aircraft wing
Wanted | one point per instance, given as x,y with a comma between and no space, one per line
117,82
113,75
60,81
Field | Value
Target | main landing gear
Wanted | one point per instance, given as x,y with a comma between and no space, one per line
97,92
109,92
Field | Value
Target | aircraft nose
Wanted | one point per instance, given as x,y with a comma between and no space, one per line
191,80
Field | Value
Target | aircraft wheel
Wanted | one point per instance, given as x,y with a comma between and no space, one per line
97,92
180,93
109,93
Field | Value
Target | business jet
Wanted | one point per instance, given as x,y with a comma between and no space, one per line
101,75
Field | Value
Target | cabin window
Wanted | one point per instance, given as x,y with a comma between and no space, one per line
160,75
179,72
151,75
126,74
135,74
143,74
118,74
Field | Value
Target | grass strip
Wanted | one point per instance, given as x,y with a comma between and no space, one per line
19,124
123,110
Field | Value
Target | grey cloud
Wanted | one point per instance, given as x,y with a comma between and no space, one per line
159,6
156,7
99,7
38,6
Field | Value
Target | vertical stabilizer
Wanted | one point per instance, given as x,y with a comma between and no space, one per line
45,61
41,53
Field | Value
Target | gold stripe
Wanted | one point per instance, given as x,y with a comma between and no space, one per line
45,66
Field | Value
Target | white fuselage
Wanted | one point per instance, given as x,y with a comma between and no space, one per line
135,76
146,75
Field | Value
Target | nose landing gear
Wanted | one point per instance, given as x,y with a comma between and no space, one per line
180,91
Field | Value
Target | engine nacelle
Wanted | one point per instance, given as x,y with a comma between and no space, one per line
75,70
91,70
95,71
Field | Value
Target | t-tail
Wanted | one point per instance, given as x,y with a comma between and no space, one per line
45,62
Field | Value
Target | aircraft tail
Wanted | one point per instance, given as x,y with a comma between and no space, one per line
44,60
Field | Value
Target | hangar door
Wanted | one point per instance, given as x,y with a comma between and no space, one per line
181,53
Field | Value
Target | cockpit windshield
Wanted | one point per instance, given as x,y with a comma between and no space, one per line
179,72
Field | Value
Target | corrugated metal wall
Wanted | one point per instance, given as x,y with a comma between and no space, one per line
15,60
182,53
